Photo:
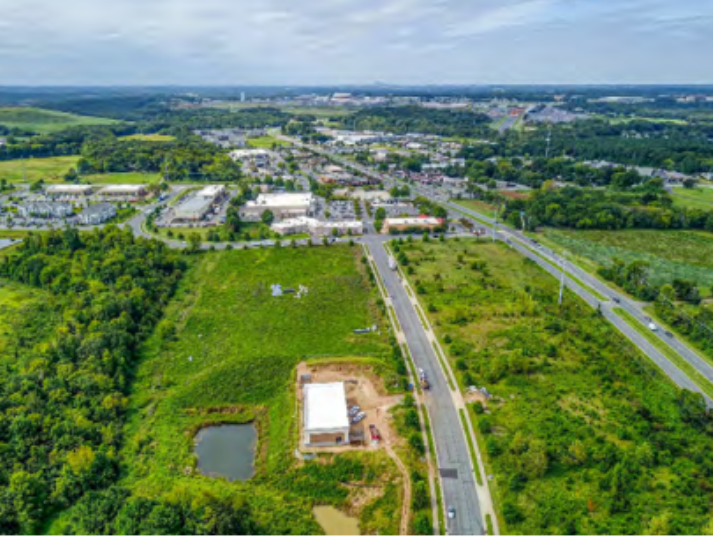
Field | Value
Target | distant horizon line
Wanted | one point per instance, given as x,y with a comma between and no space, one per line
376,85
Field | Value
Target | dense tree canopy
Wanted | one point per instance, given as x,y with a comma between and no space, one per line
62,401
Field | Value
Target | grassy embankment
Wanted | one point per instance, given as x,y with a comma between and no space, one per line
227,351
482,207
45,121
583,432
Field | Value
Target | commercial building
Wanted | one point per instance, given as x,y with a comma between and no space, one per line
69,191
123,191
402,224
258,157
214,192
304,224
97,214
326,421
193,209
45,209
281,205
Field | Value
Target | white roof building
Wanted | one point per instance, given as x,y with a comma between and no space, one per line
212,191
326,421
281,205
123,190
69,190
304,224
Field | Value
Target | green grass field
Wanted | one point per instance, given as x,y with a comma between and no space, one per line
249,232
576,411
266,142
51,169
672,254
479,206
150,137
694,198
226,352
132,178
44,121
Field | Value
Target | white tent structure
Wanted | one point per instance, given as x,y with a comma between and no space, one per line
326,422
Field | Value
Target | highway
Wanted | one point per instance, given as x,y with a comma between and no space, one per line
550,261
454,464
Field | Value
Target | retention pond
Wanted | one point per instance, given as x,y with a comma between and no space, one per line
227,451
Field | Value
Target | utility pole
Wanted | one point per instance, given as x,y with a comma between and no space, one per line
564,270
495,225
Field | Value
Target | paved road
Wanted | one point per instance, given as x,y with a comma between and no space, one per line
451,447
635,309
519,241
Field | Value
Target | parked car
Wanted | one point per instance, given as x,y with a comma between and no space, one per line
353,411
356,419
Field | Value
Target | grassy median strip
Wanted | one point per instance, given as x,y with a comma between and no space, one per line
396,319
443,366
471,447
420,316
702,382
489,524
437,481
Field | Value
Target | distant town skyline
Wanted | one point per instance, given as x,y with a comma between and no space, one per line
341,42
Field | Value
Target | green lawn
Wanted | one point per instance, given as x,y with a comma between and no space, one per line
51,169
672,254
226,351
131,178
44,121
579,419
694,198
150,137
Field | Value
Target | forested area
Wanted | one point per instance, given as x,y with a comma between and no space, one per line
66,142
63,401
684,148
648,207
407,119
184,158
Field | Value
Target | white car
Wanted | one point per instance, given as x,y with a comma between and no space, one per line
653,327
356,419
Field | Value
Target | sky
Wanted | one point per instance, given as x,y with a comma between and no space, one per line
335,42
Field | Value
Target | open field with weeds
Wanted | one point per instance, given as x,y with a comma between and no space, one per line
226,352
266,142
671,254
44,121
131,178
582,433
15,302
50,169
150,137
693,198
480,206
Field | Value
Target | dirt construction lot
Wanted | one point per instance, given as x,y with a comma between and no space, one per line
363,388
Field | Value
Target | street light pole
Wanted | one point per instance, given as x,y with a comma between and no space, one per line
564,271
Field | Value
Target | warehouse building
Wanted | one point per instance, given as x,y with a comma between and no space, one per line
326,422
304,224
198,206
125,192
425,223
283,206
69,191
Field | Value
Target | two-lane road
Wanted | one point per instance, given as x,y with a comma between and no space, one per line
452,452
